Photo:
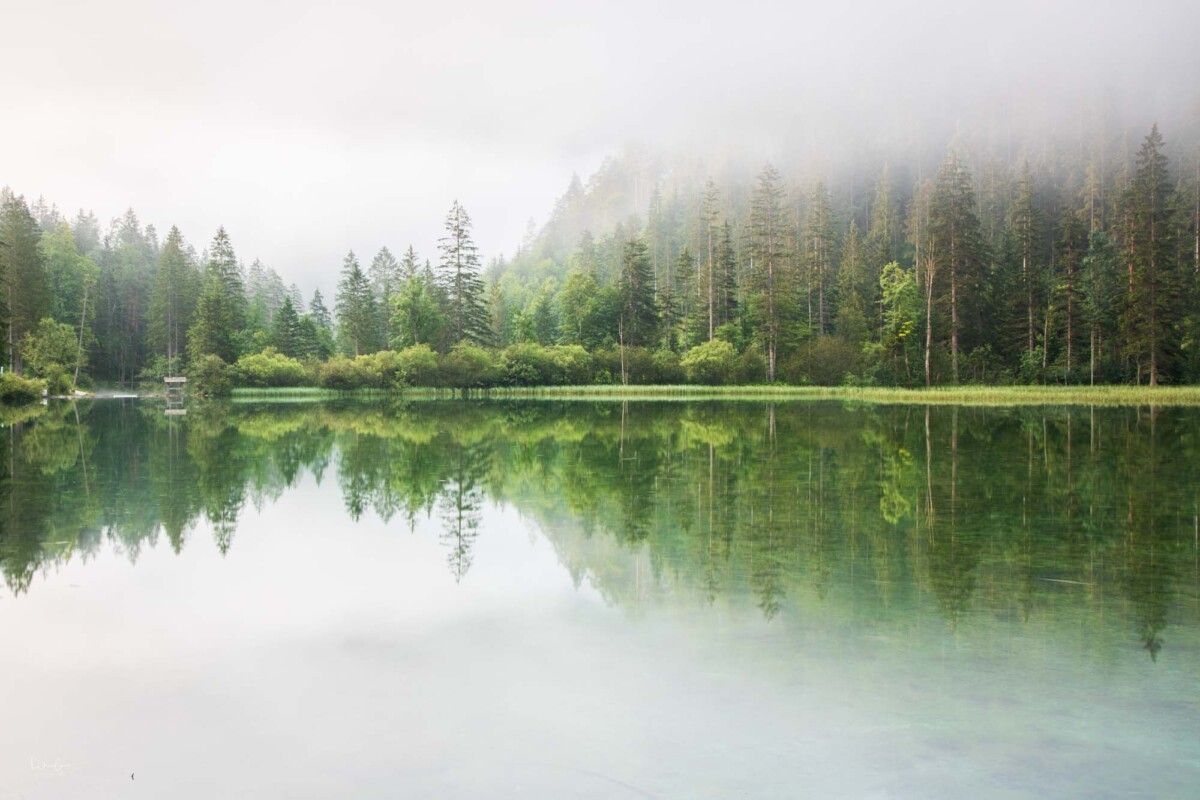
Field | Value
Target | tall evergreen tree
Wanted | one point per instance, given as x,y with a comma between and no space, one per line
460,279
172,300
819,238
1151,309
956,245
287,334
1025,221
852,295
637,324
1100,291
319,311
221,310
710,210
357,313
768,254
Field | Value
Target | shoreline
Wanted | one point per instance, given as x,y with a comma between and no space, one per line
945,395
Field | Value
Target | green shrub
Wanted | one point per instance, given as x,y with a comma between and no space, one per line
343,374
58,380
419,365
574,364
823,361
751,367
529,364
209,375
270,368
16,390
639,364
470,367
711,363
666,368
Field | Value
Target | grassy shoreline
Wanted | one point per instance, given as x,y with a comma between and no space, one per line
939,395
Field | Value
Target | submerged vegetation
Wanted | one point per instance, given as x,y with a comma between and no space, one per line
911,510
1078,267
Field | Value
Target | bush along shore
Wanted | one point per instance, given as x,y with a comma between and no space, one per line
569,371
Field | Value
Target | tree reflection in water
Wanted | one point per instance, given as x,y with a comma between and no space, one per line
884,509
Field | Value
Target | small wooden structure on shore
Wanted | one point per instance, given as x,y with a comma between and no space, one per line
176,387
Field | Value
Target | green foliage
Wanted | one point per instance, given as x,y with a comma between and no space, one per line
822,361
51,351
357,313
469,366
417,317
24,288
270,368
711,363
17,390
210,376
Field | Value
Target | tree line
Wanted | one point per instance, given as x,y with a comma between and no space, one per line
1008,272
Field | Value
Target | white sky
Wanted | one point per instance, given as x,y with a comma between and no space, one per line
310,128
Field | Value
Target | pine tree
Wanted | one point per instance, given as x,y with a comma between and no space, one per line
1025,221
819,238
357,313
768,254
172,300
385,275
221,310
26,293
882,244
409,264
287,334
1072,246
956,245
679,301
637,324
710,209
319,312
1100,290
727,277
852,290
1151,311
461,281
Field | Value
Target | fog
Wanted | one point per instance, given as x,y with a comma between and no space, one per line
310,128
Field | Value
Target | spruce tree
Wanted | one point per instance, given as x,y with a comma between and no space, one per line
852,290
287,334
1100,291
637,324
459,276
357,313
819,237
710,209
319,312
956,246
172,300
768,254
1151,310
221,310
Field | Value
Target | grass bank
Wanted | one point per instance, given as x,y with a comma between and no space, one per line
939,395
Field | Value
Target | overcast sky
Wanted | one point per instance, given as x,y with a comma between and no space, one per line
310,128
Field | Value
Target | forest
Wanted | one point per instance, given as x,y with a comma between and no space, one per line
1032,265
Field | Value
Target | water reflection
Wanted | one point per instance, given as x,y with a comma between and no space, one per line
876,511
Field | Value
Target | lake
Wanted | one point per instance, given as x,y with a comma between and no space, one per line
558,599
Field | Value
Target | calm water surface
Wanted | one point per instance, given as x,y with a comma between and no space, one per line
599,600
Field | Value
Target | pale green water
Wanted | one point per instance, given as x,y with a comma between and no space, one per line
594,600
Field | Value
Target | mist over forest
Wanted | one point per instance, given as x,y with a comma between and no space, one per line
863,195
